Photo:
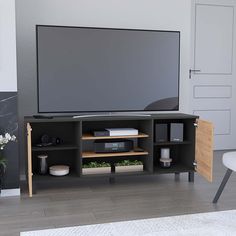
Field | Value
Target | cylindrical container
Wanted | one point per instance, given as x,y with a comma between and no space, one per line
165,163
165,153
43,166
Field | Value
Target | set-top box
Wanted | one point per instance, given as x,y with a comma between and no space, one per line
115,145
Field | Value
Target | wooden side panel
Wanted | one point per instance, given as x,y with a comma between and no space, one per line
29,153
204,149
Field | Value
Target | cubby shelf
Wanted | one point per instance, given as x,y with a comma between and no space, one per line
89,136
54,148
171,143
91,154
60,179
175,168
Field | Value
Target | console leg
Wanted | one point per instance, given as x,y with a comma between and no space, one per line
191,176
112,179
177,176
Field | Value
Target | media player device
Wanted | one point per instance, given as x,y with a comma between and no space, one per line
100,133
176,132
161,131
115,145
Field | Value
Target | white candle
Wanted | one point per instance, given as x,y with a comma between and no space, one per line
165,153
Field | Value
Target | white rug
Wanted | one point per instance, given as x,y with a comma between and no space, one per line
216,223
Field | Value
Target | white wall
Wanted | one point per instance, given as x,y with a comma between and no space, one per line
8,78
143,14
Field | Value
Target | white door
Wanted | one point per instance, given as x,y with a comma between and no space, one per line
213,84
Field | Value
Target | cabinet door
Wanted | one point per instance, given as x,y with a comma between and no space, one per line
29,158
204,149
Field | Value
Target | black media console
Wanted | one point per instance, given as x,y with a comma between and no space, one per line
73,145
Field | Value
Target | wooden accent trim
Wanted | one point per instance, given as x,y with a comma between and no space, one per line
90,154
29,156
204,149
89,136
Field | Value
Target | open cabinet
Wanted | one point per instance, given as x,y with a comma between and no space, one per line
193,153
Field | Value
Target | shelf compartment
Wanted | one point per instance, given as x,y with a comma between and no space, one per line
174,168
89,136
91,154
54,148
171,143
38,179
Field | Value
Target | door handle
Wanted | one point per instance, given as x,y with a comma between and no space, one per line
193,71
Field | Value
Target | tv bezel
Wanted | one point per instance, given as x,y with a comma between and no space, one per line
103,111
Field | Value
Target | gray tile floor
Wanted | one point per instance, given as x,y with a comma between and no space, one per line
96,201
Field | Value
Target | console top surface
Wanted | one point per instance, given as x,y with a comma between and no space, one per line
104,117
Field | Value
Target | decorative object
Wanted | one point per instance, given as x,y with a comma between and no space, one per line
165,159
165,163
4,140
128,166
59,170
43,166
211,223
165,153
94,167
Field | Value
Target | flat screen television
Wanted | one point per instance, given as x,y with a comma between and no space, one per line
84,69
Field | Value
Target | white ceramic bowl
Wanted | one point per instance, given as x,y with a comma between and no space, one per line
59,170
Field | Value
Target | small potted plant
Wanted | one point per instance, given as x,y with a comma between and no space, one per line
96,168
4,140
128,166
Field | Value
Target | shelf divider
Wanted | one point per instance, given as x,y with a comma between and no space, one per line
88,136
55,148
171,143
91,154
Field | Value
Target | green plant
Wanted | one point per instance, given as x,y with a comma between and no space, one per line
94,164
129,163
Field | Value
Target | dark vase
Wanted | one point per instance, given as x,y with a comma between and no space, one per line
2,171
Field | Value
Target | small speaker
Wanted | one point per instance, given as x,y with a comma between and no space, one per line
161,131
176,132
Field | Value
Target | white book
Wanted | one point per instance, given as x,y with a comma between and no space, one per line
122,131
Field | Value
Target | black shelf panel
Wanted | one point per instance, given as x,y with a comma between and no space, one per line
135,173
171,143
175,168
72,176
54,148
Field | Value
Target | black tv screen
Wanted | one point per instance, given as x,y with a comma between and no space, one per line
83,69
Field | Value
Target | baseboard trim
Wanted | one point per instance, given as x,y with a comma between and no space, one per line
10,192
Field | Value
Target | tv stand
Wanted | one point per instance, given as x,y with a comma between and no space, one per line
193,154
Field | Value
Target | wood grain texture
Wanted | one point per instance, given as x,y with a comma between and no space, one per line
91,137
91,154
29,156
204,149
